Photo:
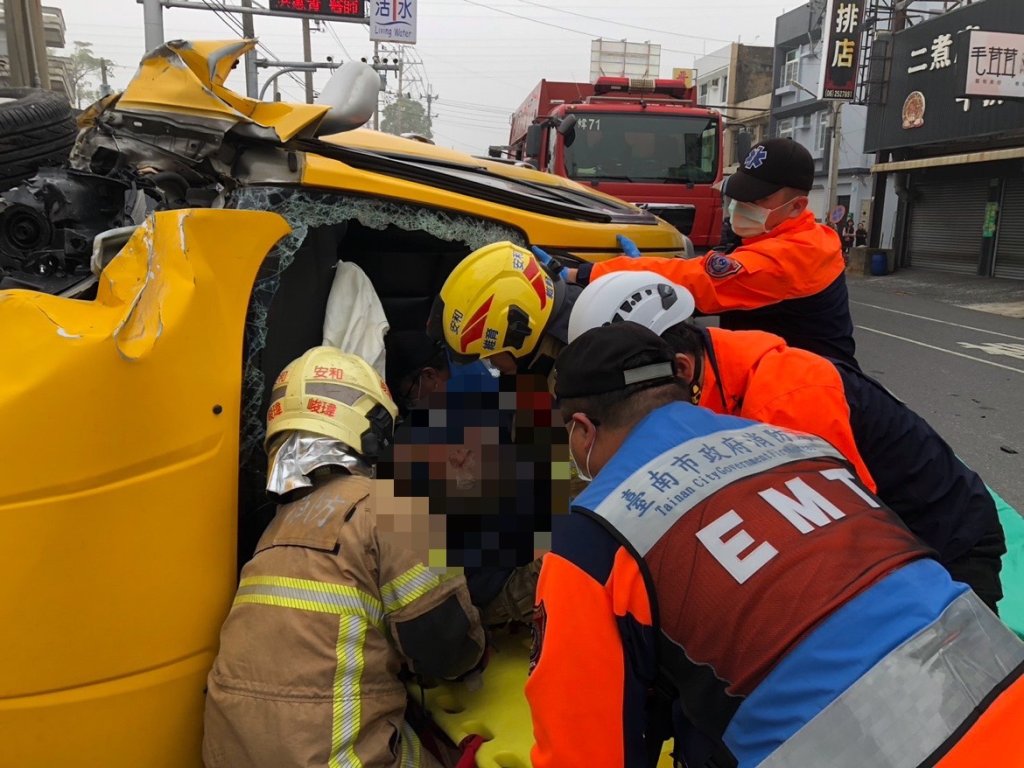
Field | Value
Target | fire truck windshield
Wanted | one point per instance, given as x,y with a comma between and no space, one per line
642,148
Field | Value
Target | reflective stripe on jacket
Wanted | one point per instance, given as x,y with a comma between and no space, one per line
326,614
744,569
790,283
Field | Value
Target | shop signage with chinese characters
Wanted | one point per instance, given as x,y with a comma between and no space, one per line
840,49
926,101
995,65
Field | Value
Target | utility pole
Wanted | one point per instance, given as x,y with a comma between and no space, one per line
153,19
376,111
307,56
105,89
833,164
431,98
252,85
23,22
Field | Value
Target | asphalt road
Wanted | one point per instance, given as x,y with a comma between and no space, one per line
961,369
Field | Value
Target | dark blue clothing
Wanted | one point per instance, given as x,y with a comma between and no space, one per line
941,500
820,323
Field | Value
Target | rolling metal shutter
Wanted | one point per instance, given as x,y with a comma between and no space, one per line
946,220
1010,247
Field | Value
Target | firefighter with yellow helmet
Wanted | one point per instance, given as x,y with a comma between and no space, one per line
507,307
335,602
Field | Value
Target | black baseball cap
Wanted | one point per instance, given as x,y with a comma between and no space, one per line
770,166
611,358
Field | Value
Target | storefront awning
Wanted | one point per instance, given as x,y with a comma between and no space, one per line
942,160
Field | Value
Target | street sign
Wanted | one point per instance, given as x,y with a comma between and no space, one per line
840,49
322,9
838,214
393,21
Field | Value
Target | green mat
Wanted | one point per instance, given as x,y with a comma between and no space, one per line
1011,607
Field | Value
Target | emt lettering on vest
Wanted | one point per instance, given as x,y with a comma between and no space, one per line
893,452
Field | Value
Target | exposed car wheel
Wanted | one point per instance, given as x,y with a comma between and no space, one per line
37,129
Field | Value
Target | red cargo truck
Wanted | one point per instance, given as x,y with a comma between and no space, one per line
644,141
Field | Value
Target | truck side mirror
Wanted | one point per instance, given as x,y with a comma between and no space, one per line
534,140
567,129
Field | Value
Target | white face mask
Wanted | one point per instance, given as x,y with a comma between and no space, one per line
749,220
585,476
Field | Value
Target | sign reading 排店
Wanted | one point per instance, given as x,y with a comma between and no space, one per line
995,65
840,49
393,21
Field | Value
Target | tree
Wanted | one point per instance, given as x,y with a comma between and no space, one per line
405,115
84,66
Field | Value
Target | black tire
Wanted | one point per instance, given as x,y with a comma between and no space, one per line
37,130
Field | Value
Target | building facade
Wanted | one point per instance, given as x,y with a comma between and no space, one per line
737,81
797,113
947,120
54,32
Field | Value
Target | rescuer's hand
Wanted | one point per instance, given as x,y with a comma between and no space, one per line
628,247
545,258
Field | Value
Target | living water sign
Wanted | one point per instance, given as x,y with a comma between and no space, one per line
393,21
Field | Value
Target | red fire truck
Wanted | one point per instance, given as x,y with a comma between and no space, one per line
643,141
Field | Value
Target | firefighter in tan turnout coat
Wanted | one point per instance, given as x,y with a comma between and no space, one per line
335,602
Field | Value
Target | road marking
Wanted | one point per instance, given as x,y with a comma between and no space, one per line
940,349
1005,350
934,320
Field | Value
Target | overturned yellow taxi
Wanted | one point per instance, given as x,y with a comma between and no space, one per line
153,290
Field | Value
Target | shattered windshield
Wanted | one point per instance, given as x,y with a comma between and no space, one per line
307,209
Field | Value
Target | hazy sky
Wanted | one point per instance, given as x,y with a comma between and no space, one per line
481,61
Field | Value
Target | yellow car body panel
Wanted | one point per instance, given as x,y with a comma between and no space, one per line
119,513
378,141
187,78
590,241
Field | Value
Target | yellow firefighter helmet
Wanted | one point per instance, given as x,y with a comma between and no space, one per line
498,299
334,394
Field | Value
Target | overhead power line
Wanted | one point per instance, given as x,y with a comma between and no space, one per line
623,24
563,28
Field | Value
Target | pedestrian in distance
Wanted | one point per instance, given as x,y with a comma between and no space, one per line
744,573
849,235
861,235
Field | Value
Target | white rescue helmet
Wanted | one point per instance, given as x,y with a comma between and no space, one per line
644,298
